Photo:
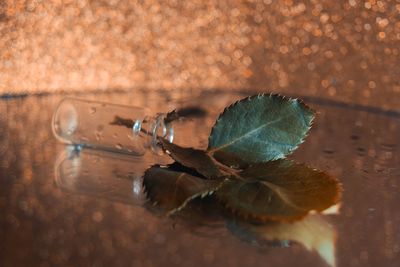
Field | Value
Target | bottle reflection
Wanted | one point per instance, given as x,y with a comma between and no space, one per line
112,176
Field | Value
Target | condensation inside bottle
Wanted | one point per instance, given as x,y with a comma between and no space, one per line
92,124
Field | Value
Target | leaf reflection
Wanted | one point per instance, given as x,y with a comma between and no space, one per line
118,178
314,232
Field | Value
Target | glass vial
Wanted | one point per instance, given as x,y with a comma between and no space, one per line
106,126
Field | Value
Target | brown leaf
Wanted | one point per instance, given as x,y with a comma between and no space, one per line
128,123
185,112
279,191
172,189
193,158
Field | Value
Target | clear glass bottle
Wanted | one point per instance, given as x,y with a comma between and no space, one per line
110,127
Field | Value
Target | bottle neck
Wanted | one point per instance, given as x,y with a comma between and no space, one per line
150,128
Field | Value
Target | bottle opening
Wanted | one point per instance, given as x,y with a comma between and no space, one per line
65,121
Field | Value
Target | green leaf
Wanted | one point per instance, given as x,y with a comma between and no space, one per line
172,189
259,128
279,191
192,158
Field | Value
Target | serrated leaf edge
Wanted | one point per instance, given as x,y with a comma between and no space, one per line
282,97
218,165
183,205
201,195
268,218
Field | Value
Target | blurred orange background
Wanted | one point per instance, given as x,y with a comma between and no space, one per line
342,50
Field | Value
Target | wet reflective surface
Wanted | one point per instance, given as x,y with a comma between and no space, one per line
87,208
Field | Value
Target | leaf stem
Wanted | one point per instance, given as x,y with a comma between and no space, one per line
227,170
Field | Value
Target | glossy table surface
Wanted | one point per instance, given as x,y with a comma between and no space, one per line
58,208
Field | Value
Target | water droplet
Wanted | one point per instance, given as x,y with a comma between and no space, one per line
388,146
360,151
98,135
92,110
118,146
354,137
329,151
